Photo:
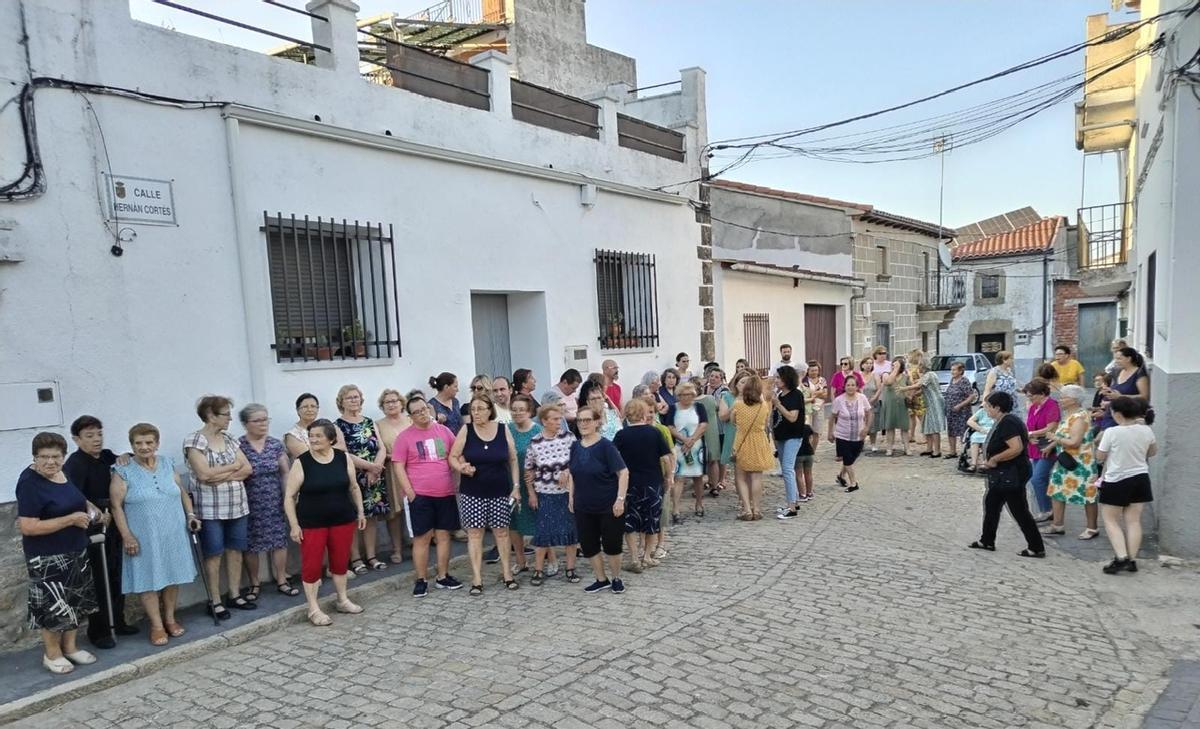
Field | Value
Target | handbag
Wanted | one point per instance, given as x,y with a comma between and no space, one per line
1066,460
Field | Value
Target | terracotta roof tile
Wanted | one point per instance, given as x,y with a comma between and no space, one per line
1032,238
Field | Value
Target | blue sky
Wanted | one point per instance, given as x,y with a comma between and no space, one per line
774,66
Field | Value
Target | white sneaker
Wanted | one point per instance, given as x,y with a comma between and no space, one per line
57,665
551,569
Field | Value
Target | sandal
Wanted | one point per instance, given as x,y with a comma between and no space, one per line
700,512
572,576
476,590
251,593
1027,553
396,558
359,567
218,611
981,545
345,606
537,579
376,564
319,619
241,603
174,629
287,588
1089,534
1053,531
511,585
158,636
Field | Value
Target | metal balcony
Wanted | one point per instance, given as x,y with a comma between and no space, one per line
1103,236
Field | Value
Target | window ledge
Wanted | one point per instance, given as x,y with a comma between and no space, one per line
628,350
337,364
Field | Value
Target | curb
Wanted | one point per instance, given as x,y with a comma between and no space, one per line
151,664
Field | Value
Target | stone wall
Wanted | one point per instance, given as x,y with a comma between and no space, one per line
1066,314
13,583
893,296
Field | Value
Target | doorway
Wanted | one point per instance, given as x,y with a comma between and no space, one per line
989,344
820,336
489,324
1097,327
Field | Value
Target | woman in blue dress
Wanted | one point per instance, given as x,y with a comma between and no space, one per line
268,526
153,513
358,437
524,520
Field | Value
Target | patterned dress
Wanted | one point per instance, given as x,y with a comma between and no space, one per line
155,516
934,420
525,520
1075,486
687,422
362,441
1006,381
956,420
268,527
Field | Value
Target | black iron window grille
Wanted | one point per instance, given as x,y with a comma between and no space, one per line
756,329
333,289
627,299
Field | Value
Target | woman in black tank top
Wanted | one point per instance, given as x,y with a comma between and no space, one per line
324,506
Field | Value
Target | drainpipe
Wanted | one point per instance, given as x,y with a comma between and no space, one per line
1045,301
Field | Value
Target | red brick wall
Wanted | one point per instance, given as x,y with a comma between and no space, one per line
1066,315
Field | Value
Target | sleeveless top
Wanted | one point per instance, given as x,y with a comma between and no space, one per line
324,498
490,459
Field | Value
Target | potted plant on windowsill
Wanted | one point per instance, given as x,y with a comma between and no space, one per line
354,338
616,322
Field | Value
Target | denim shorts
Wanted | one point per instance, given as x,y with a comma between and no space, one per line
218,535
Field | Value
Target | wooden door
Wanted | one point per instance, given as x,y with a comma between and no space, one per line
820,337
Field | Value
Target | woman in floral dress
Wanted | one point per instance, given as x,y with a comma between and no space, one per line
268,527
1076,485
359,438
960,394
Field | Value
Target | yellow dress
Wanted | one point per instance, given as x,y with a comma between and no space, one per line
751,446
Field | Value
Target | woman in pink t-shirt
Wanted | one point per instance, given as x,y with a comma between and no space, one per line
845,372
849,423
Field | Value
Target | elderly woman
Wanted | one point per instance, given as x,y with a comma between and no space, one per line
648,458
1002,378
960,395
871,388
751,447
687,428
267,530
933,415
485,457
592,393
652,381
154,514
296,439
53,517
324,505
546,475
1041,421
394,420
1113,367
599,480
358,437
1007,454
523,429
1070,450
447,410
849,423
816,394
668,381
217,469
894,413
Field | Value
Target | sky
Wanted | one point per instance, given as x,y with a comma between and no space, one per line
775,66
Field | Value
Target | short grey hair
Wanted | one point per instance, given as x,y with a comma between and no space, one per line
639,391
249,411
1073,392
649,378
552,397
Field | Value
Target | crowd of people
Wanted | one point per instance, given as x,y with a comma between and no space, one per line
581,471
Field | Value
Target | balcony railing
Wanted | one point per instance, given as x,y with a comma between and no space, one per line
945,288
1103,235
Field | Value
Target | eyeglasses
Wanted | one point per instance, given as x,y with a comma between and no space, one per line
419,411
48,459
585,420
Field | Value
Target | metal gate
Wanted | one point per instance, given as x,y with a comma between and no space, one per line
1097,327
757,332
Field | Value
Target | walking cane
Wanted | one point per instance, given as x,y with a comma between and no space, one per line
98,540
203,576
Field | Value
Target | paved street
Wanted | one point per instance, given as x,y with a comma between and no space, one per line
866,612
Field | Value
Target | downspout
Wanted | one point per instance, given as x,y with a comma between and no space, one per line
245,260
1045,301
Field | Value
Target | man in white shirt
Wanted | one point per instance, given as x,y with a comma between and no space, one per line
567,385
501,397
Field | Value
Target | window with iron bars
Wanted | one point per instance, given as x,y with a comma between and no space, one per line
333,289
756,329
627,299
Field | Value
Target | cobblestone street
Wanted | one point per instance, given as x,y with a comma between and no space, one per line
867,611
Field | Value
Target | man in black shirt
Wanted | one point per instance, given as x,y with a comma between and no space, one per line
89,469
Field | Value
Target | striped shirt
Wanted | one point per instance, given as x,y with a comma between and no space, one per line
225,500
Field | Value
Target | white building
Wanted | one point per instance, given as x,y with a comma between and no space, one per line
1007,289
285,227
1148,113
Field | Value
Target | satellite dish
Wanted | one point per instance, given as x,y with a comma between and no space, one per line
944,253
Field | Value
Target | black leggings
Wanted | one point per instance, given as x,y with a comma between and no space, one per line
1013,496
597,529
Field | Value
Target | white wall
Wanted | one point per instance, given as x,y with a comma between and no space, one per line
755,293
140,337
